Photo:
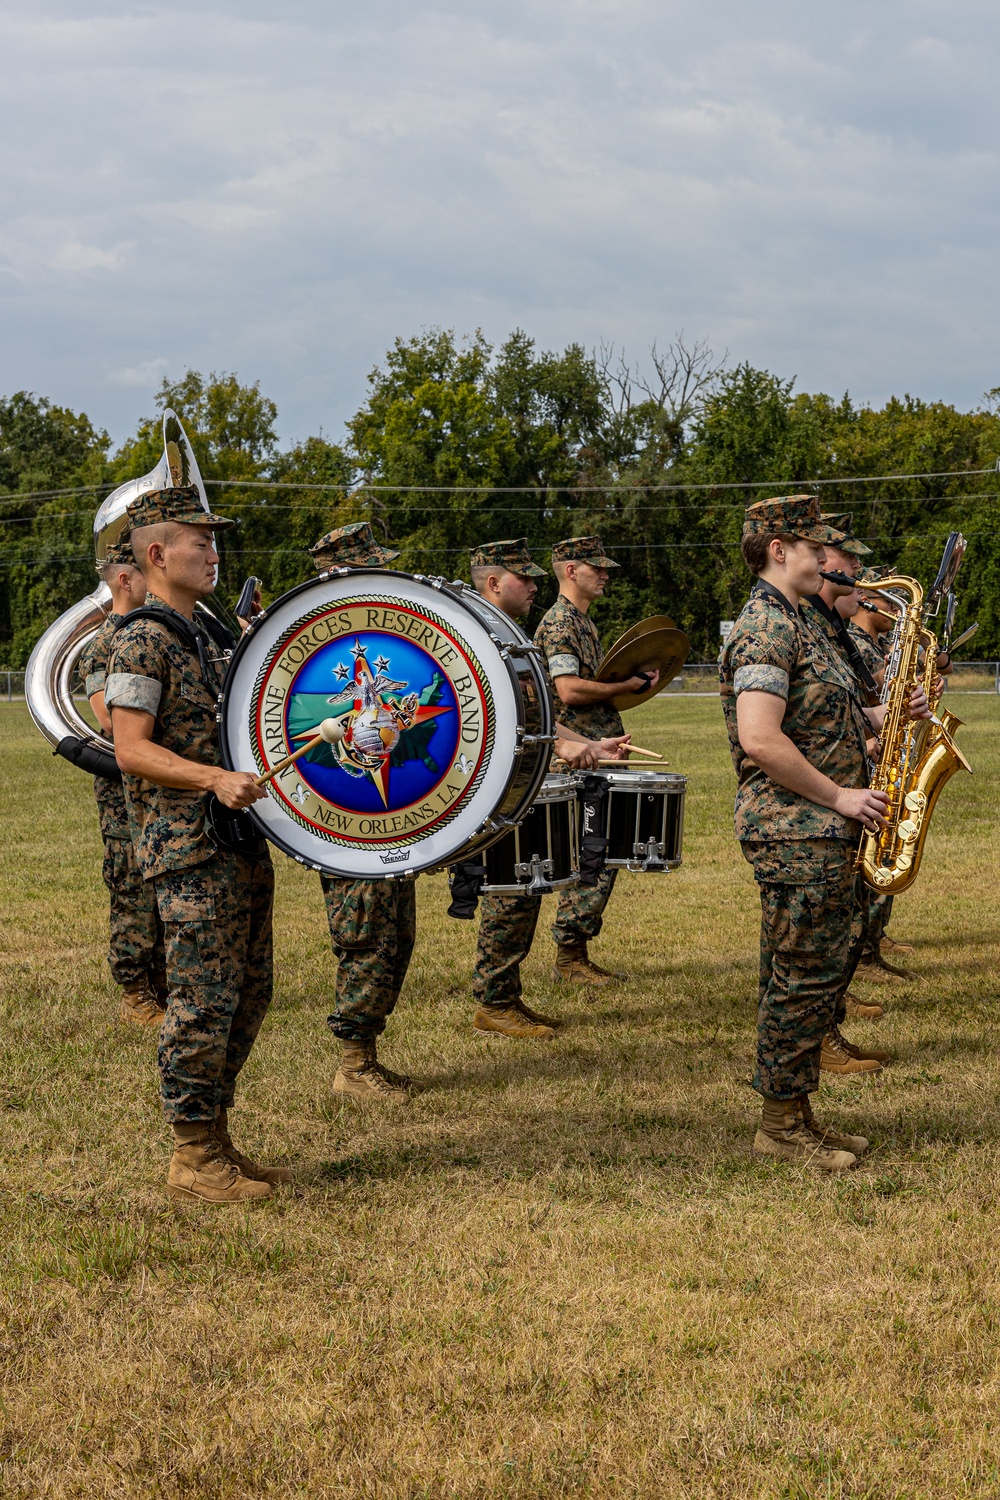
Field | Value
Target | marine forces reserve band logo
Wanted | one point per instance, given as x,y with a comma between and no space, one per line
415,706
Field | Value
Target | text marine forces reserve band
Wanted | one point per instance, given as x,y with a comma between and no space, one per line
798,731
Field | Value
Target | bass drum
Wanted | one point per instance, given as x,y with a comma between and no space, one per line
445,708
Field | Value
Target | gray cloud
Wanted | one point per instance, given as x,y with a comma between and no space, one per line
231,187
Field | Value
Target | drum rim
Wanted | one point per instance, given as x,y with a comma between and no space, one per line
482,840
638,777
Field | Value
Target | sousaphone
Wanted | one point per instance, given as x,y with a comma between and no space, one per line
51,674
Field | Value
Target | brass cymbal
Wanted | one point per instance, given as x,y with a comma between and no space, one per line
659,650
655,622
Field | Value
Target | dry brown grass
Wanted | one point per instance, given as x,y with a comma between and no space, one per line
559,1272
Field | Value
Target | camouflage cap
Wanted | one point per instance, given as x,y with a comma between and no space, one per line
351,546
586,549
873,575
119,554
790,515
851,545
182,505
512,555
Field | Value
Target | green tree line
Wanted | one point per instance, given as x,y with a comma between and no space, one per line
459,442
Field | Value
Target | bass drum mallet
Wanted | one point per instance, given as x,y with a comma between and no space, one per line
330,732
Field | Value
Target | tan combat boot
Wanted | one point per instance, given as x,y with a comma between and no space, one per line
889,945
200,1172
511,1020
861,1054
784,1133
574,966
881,971
362,1076
867,1010
249,1168
140,1005
856,1144
835,1058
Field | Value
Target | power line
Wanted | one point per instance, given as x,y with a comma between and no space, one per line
360,490
87,557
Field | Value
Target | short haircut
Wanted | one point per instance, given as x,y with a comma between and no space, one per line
142,538
559,566
111,570
482,571
754,548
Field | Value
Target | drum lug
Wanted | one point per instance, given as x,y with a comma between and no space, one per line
540,871
535,739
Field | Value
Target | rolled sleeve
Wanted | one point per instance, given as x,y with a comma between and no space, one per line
564,665
129,690
760,677
94,683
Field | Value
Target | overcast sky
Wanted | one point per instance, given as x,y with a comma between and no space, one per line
282,189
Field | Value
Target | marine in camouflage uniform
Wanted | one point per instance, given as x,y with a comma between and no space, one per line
507,924
802,853
839,1054
215,904
135,955
373,923
571,647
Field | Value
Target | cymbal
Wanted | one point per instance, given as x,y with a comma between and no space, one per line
664,651
655,622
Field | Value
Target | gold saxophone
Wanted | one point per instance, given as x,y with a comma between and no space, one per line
918,756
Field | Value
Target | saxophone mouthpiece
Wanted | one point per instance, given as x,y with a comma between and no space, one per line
834,575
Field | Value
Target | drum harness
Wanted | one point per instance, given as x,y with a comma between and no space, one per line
230,829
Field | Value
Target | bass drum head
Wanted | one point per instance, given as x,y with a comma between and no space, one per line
431,711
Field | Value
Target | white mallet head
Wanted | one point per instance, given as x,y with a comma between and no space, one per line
332,731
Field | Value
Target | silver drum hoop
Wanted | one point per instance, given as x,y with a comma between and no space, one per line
446,714
643,820
542,853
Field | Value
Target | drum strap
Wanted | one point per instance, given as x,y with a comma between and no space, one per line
234,831
593,845
465,882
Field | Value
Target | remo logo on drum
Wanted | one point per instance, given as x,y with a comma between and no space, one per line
416,710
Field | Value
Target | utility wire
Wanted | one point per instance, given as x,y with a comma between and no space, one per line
351,492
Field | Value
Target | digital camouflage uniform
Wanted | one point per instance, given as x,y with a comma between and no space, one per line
802,854
571,647
136,949
506,923
215,906
874,909
373,923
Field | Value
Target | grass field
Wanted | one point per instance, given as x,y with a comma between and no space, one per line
559,1272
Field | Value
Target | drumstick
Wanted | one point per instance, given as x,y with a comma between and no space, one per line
640,751
660,762
330,733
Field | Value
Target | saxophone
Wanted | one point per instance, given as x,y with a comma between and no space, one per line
918,756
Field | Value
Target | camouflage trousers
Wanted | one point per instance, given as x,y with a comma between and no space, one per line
136,950
373,927
580,913
506,931
878,910
810,941
217,925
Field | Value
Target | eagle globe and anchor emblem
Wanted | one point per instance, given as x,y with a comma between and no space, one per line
416,711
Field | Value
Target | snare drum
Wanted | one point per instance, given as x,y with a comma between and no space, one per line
643,819
542,853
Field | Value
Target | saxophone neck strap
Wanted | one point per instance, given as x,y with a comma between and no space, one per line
858,664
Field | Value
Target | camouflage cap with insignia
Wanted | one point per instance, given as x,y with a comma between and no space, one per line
182,505
586,549
790,515
351,546
512,555
851,545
